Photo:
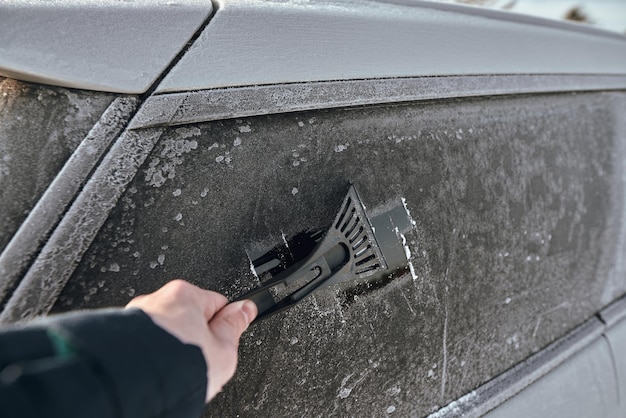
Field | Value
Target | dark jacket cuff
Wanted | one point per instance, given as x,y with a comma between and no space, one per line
145,370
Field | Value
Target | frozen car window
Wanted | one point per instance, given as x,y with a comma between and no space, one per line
514,201
40,127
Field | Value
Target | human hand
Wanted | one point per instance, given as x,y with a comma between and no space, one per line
205,319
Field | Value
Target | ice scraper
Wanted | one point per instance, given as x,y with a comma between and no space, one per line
352,248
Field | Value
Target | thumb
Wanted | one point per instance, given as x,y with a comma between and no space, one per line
226,327
232,320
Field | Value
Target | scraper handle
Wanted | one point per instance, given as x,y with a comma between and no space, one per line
265,297
284,291
264,303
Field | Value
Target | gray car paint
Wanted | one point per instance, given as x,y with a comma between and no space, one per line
266,42
108,45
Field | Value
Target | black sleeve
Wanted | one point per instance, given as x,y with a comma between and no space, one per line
100,364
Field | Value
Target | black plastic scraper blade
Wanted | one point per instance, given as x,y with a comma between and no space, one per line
352,228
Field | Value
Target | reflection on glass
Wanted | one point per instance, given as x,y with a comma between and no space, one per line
606,14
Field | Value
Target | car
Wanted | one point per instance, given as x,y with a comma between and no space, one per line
191,140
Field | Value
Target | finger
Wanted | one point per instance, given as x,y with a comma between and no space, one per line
229,323
210,302
206,301
134,301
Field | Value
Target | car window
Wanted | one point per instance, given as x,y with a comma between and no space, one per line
506,194
40,127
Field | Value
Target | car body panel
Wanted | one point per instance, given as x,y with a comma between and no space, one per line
115,46
268,42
